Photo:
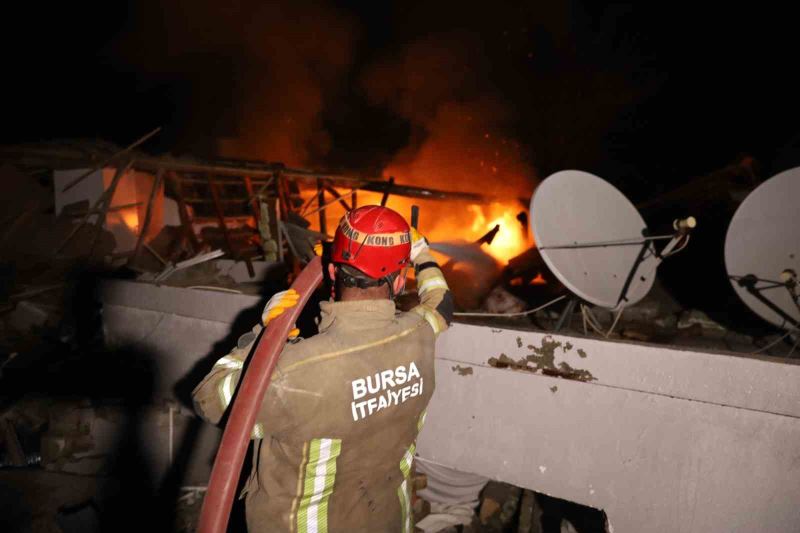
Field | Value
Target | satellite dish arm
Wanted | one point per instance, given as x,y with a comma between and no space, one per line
682,229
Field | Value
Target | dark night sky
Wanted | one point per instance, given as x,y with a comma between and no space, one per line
645,96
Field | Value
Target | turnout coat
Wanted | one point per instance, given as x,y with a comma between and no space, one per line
335,436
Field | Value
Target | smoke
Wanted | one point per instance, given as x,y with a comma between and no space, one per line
255,80
255,75
462,126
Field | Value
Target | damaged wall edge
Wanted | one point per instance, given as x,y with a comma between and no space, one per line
662,439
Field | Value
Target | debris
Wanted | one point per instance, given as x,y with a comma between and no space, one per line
462,370
80,439
489,236
16,455
237,270
451,496
168,246
502,301
635,334
202,258
268,245
470,281
99,210
83,518
693,317
301,241
530,513
29,293
157,182
21,199
500,505
28,315
122,152
447,518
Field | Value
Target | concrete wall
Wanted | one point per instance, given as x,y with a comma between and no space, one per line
177,327
182,331
662,439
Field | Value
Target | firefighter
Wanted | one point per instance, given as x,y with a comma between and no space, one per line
335,435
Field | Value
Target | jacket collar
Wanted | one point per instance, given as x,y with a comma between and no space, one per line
355,315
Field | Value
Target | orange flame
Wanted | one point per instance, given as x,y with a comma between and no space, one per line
446,221
538,280
510,239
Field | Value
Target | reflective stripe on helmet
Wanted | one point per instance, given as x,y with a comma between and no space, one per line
373,239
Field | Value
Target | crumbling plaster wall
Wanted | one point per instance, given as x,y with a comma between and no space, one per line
662,439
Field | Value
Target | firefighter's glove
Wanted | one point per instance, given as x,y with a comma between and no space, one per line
419,244
280,302
318,249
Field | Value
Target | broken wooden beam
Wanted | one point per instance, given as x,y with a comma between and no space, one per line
122,152
221,216
183,213
339,197
386,190
323,223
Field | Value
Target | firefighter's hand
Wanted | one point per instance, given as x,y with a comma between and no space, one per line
419,244
318,249
280,302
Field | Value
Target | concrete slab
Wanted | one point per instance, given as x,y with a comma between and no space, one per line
662,440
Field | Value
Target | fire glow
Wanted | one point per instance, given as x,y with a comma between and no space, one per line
449,221
510,239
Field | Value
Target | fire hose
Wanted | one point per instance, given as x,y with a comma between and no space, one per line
252,388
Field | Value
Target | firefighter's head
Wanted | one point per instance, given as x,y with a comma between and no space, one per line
370,252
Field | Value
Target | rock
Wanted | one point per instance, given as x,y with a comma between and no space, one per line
499,507
695,317
530,514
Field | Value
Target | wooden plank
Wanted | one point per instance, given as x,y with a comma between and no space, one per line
386,190
186,222
251,195
339,197
323,223
318,209
220,215
122,152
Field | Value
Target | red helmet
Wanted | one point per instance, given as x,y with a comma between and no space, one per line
376,240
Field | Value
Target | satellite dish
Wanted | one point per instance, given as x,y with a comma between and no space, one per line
762,250
594,240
